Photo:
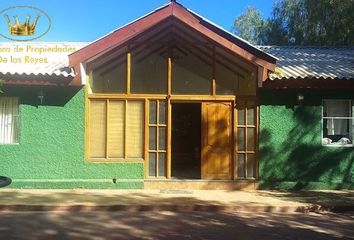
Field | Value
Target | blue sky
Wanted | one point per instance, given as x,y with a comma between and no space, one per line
87,20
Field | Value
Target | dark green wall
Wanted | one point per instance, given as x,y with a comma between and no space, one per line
291,154
51,149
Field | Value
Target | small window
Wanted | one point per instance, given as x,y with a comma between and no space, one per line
9,120
337,123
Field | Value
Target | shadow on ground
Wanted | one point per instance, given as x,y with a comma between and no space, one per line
173,225
323,198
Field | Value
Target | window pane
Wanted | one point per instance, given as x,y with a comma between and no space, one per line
336,108
162,113
162,138
116,129
152,138
250,165
250,140
110,77
233,75
152,112
241,165
152,164
240,139
149,71
162,164
248,85
135,129
241,113
250,113
97,129
191,72
9,120
226,79
337,131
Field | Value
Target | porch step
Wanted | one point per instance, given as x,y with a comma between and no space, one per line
201,184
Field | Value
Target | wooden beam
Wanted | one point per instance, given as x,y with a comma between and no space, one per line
169,75
107,127
129,60
213,87
169,137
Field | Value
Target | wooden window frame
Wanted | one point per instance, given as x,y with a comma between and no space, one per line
157,151
87,132
245,126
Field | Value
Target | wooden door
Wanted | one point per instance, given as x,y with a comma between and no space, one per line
216,140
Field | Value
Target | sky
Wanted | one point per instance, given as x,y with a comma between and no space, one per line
87,20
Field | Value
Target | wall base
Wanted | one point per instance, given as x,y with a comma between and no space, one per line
77,183
200,184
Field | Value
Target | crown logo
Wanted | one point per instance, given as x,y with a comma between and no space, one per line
25,29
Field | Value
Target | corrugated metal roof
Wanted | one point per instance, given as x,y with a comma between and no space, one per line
293,62
312,62
37,58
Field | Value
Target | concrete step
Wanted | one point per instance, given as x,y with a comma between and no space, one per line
197,184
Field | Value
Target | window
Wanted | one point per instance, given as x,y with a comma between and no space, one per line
337,123
157,138
116,129
9,120
109,74
149,72
192,72
110,79
246,140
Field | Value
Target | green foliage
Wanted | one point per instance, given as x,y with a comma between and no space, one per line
301,22
250,26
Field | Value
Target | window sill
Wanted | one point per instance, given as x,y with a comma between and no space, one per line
338,145
104,160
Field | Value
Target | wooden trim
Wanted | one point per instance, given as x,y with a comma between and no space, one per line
169,138
169,76
246,139
157,136
129,56
146,137
125,96
202,98
125,128
87,120
107,127
213,87
162,97
257,139
114,160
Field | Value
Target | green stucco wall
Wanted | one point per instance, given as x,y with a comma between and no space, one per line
51,149
291,154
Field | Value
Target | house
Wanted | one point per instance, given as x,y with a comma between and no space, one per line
172,100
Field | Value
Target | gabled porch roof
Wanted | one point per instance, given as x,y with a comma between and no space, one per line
192,20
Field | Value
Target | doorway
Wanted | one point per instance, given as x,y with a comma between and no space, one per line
186,141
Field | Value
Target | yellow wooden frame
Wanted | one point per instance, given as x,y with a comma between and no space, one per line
169,98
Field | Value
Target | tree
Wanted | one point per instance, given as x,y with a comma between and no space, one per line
250,26
305,22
